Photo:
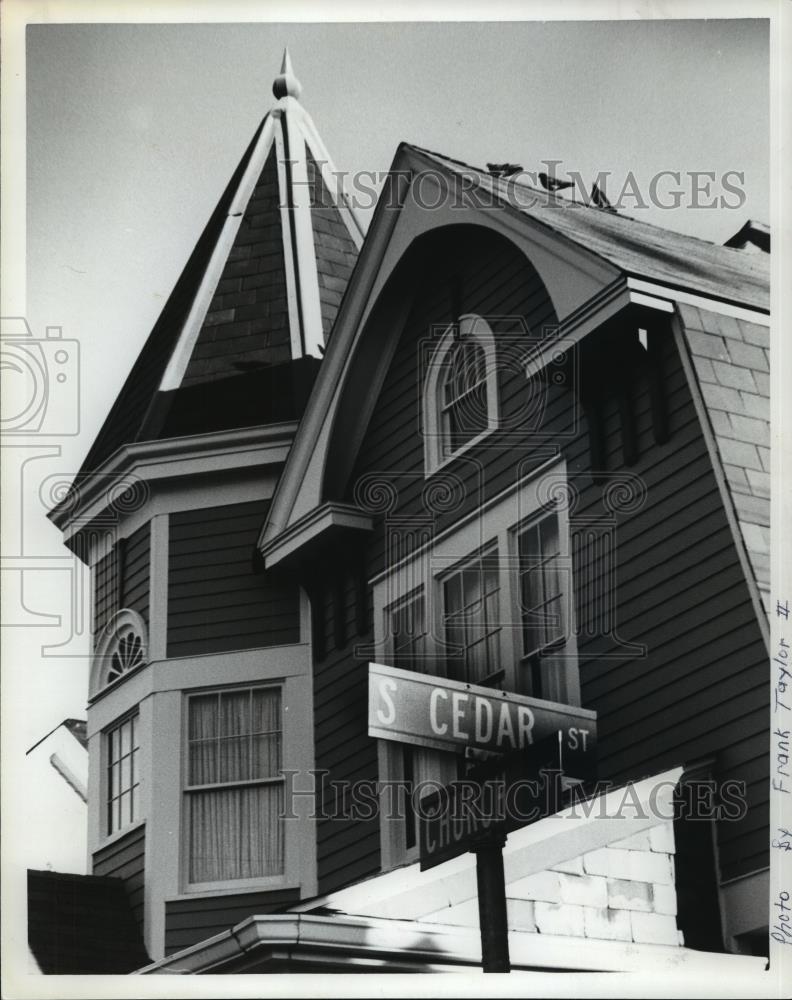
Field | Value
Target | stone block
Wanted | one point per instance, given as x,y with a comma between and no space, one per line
611,925
585,890
664,899
559,918
654,928
520,914
647,866
624,894
543,886
462,915
661,838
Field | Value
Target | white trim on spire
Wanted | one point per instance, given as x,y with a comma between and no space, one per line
180,357
307,275
288,254
333,181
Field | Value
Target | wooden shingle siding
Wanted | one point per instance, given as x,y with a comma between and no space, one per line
216,603
188,921
675,583
125,859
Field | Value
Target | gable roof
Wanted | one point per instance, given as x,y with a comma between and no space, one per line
260,289
635,247
633,257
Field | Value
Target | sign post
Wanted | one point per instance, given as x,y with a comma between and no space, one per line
525,736
493,919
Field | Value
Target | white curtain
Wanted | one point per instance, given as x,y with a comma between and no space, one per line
236,832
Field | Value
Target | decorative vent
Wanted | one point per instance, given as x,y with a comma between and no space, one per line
121,649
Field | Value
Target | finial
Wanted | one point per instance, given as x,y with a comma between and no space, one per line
287,84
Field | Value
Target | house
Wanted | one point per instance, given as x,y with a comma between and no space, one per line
504,441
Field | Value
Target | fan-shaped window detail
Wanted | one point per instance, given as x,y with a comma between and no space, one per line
121,649
460,398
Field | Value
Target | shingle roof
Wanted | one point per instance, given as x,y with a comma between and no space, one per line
732,363
82,924
638,248
261,288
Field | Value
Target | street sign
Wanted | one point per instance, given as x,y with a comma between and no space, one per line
499,796
442,714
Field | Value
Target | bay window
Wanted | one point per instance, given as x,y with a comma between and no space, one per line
234,785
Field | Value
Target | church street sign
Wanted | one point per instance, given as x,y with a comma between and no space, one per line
501,795
442,714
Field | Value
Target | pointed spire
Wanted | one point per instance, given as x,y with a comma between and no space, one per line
286,84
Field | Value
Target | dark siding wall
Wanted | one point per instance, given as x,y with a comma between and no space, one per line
674,581
215,600
121,579
125,859
188,921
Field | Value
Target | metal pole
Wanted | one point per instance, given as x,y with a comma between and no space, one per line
492,904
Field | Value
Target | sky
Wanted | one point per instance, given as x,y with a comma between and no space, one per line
134,130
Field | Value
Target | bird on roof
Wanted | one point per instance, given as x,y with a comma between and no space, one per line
504,169
553,183
598,198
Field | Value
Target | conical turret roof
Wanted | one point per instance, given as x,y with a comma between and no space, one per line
240,336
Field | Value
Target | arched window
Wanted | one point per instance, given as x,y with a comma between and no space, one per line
460,399
121,649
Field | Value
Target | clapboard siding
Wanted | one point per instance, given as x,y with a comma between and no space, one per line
188,921
121,578
216,603
125,858
675,580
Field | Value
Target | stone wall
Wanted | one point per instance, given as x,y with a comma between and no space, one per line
622,892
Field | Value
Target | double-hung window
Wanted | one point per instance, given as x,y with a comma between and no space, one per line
471,619
543,595
123,774
494,607
235,785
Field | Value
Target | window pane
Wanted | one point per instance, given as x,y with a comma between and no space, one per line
233,759
126,772
115,780
125,809
126,738
135,802
204,717
235,713
266,711
236,833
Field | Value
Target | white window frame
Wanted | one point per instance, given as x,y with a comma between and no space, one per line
108,830
436,450
498,523
262,882
124,622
